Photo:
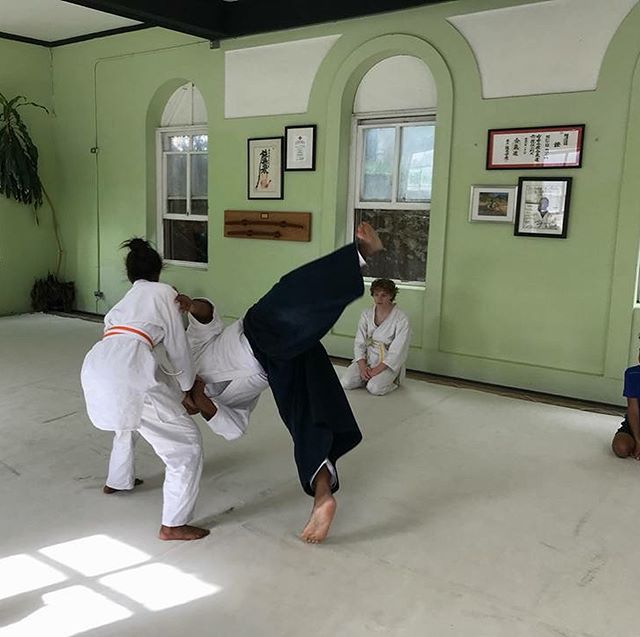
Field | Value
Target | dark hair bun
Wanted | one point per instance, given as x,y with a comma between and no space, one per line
143,262
136,244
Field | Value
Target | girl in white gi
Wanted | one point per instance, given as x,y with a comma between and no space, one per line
126,390
381,345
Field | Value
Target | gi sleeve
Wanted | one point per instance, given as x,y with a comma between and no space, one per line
235,405
360,343
230,422
177,345
396,356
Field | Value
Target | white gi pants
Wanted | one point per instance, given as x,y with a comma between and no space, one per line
178,443
383,383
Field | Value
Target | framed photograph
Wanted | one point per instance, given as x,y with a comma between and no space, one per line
543,207
264,173
492,203
301,147
541,147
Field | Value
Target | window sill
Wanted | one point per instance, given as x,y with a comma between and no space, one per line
402,285
187,264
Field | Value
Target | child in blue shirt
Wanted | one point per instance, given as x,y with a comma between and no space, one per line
626,442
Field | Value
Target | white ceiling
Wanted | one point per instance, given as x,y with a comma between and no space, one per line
52,20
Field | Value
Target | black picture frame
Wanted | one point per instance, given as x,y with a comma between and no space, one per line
265,168
542,208
300,145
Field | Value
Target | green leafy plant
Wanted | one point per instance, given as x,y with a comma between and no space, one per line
19,180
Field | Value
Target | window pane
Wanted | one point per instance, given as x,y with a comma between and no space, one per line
416,163
405,236
176,143
176,175
200,142
199,175
199,206
185,240
177,206
377,164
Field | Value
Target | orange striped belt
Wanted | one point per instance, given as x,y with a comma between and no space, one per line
125,329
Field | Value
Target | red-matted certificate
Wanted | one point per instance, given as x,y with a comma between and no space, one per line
537,147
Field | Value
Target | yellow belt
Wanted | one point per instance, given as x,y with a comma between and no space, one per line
379,344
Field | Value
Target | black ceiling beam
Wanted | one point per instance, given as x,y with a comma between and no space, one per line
245,17
217,19
202,18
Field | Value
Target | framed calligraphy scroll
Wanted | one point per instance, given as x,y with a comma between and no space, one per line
301,147
538,147
264,171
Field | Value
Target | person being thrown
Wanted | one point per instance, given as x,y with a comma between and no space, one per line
277,345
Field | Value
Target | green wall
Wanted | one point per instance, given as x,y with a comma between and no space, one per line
554,316
27,251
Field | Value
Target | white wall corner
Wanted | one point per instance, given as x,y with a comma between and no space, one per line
275,79
556,46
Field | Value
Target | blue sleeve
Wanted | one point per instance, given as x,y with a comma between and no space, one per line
632,382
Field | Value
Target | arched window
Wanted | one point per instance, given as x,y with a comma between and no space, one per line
182,144
394,133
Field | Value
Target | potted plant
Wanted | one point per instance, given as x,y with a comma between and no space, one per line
19,180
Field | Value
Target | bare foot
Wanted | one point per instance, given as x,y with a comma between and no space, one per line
109,490
368,239
322,514
184,532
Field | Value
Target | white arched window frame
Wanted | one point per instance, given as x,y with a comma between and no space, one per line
182,149
405,189
182,154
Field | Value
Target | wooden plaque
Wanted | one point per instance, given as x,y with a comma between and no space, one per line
277,226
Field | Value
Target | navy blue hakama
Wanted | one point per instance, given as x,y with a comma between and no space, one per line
284,329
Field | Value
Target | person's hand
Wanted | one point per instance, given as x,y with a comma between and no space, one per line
205,406
184,303
374,371
189,405
364,370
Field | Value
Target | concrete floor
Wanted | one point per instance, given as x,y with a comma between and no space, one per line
462,513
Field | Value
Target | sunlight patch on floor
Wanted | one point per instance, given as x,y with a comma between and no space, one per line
86,603
23,573
159,586
95,555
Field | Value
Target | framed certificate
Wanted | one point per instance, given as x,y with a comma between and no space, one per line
546,147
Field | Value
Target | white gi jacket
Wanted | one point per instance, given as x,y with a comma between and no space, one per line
123,369
386,343
224,358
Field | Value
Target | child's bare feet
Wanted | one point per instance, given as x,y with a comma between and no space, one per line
109,490
368,239
184,532
324,509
